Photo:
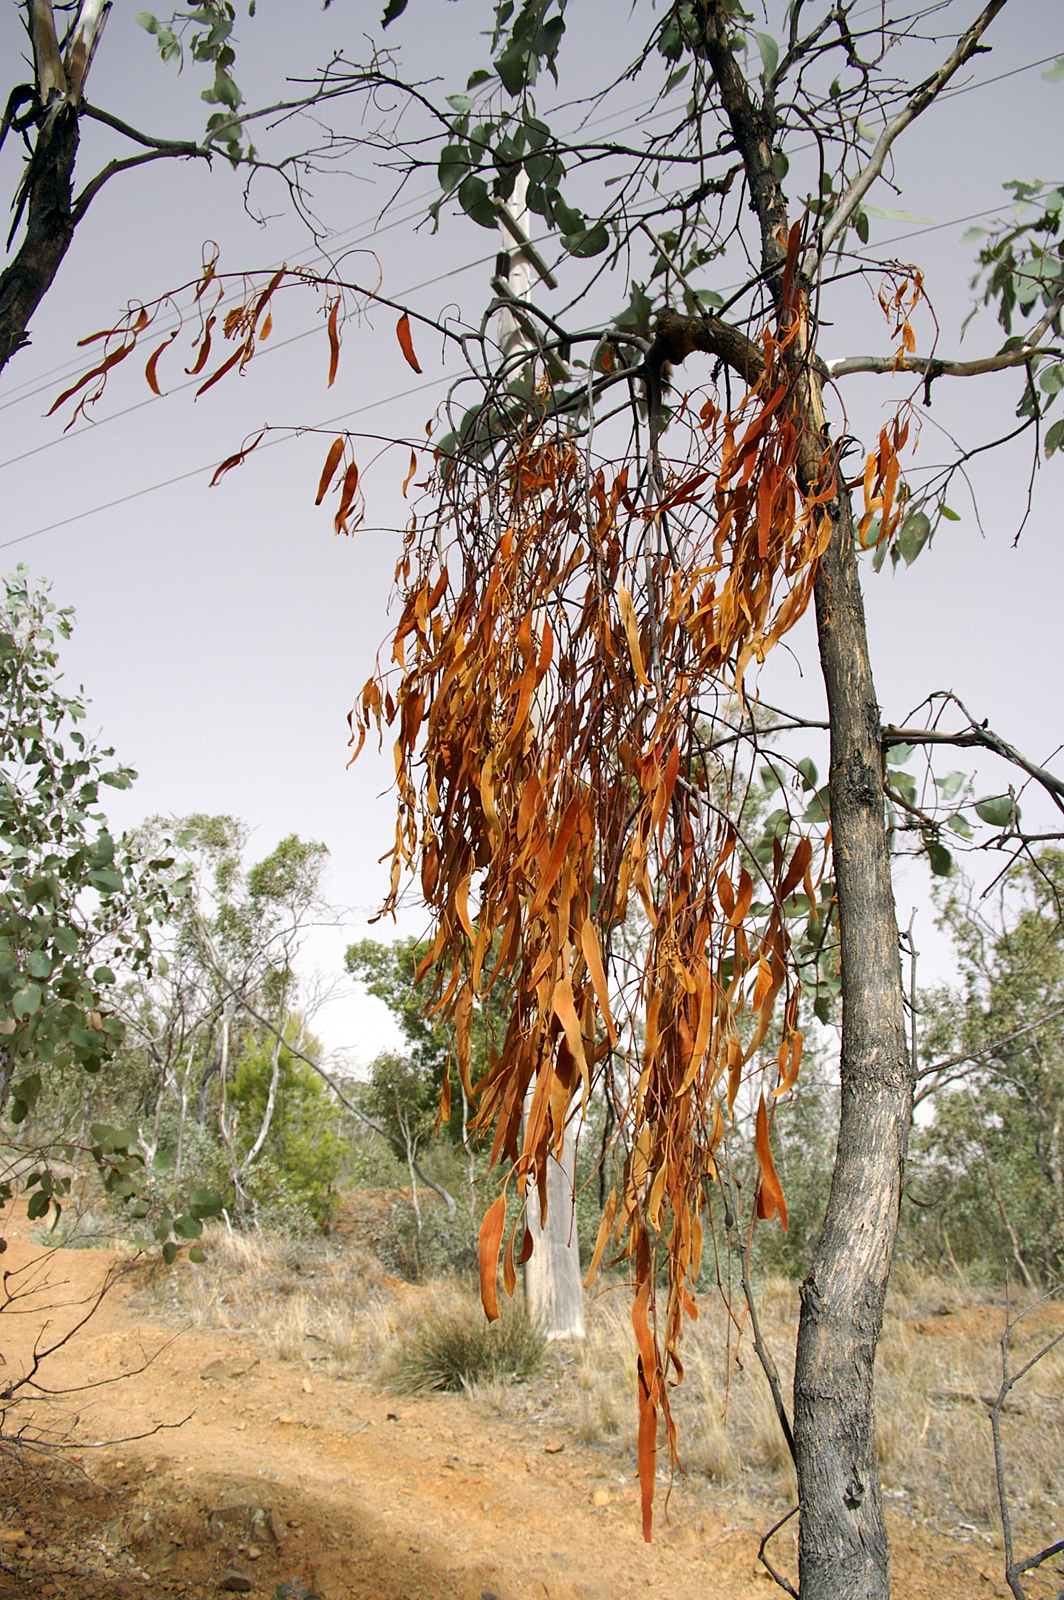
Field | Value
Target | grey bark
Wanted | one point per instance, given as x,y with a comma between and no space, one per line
843,1552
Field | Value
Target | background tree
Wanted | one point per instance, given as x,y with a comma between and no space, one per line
989,1169
78,910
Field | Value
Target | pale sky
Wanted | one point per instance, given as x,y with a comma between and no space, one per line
222,634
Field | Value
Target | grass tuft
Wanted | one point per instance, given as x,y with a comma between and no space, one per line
452,1346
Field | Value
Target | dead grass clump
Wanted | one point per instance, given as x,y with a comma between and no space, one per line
451,1346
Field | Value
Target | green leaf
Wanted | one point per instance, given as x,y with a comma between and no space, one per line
27,1001
915,532
1055,437
770,54
819,808
196,1255
899,216
455,162
709,297
822,1008
394,8
477,78
898,754
999,810
475,201
170,1248
462,103
38,1206
950,516
147,21
950,785
960,825
940,858
1052,74
809,773
589,241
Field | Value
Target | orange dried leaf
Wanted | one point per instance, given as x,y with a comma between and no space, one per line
150,369
769,1190
406,343
334,342
332,460
347,495
236,460
488,1246
410,473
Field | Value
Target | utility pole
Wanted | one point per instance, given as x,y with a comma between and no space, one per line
554,1292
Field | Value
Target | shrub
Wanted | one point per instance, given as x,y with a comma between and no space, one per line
452,1346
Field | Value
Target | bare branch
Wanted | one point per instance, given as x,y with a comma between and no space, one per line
966,47
981,737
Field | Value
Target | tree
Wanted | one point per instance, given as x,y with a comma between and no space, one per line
78,908
595,564
990,1167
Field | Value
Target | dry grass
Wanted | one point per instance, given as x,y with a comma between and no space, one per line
303,1301
939,1356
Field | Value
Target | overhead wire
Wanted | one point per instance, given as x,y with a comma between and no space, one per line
418,389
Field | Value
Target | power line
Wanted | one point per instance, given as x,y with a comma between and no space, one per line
281,344
182,477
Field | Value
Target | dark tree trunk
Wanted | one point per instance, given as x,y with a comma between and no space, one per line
49,228
843,1549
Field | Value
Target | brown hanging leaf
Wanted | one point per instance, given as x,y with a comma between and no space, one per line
406,343
332,461
488,1246
347,495
153,359
769,1189
236,460
334,342
410,473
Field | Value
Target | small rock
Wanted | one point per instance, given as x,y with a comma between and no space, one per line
392,1416
554,1447
306,1386
276,1527
236,1583
601,1497
253,1552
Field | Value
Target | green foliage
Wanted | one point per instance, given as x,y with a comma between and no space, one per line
1021,270
305,1149
77,906
452,1347
986,1181
71,897
206,32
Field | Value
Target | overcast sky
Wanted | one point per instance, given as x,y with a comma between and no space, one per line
222,634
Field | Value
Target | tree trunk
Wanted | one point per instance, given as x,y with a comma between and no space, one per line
843,1549
554,1293
49,228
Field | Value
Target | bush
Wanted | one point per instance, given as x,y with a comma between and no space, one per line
453,1346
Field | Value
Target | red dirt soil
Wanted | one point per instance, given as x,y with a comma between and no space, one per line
280,1477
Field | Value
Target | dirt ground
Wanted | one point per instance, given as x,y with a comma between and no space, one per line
267,1478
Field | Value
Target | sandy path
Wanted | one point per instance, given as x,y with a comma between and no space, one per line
280,1476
